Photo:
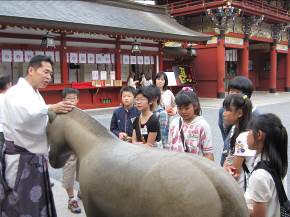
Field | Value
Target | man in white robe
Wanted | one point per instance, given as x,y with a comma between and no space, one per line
25,116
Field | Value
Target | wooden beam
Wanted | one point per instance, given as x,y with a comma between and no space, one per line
71,39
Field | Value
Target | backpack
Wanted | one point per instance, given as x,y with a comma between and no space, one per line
283,200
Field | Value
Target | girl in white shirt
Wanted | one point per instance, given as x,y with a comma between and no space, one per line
269,138
130,80
167,97
237,112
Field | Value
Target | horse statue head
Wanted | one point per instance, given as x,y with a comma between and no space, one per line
59,150
122,179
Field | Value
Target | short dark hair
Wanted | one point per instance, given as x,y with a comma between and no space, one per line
157,93
128,89
242,84
147,92
186,97
148,76
69,90
160,75
37,60
4,81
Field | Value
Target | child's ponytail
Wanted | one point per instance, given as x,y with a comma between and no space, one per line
284,150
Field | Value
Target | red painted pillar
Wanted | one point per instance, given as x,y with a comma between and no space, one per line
160,58
118,65
63,61
287,88
245,59
220,67
273,72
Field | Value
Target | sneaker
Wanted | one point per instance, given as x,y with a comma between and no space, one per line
73,206
79,194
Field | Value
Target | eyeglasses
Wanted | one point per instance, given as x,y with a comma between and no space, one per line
140,100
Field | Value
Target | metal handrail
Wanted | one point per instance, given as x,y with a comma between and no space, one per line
191,4
182,4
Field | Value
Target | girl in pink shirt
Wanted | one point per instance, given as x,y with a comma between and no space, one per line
190,132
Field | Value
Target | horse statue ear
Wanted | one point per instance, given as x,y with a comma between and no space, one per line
51,116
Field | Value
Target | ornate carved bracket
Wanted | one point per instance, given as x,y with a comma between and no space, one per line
278,30
222,15
250,24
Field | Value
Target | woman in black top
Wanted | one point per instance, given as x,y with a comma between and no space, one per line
146,128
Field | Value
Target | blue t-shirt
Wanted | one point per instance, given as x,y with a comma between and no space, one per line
122,120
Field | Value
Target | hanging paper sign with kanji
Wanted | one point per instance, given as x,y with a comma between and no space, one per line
133,59
95,75
18,56
126,59
103,75
107,58
73,57
57,56
140,59
99,58
82,58
113,75
50,54
152,60
147,60
91,58
7,56
28,54
113,58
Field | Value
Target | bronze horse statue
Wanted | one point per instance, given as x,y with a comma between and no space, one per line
119,179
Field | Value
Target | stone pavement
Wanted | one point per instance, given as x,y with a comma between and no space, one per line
259,99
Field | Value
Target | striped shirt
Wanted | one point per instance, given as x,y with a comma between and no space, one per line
162,116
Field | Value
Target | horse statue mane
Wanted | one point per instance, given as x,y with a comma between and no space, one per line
128,180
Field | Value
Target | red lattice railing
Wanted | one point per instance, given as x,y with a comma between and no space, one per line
186,7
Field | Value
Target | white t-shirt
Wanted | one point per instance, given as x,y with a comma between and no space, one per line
262,189
131,83
167,99
241,149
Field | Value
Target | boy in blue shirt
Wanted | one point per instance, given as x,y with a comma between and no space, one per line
124,116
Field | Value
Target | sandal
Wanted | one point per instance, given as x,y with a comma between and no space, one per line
73,206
